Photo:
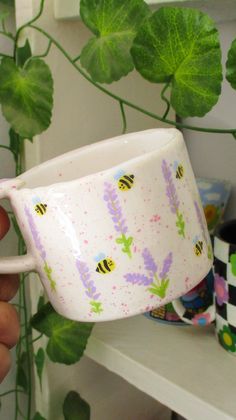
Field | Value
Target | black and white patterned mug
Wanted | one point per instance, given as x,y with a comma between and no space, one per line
225,284
223,310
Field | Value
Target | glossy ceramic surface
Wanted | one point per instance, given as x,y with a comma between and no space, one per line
113,229
225,285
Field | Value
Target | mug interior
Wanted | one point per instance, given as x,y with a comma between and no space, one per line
98,157
227,232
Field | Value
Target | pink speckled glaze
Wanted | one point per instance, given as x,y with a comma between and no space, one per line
115,228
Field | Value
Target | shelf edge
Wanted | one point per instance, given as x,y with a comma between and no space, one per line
169,394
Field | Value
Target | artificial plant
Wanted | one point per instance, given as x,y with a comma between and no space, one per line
175,46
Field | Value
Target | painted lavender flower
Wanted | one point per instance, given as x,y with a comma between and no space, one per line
158,282
118,219
203,229
173,198
89,285
161,282
139,279
40,248
35,234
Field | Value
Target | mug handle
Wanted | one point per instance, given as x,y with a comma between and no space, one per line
202,319
17,264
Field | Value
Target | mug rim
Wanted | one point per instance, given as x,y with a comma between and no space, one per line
218,231
175,135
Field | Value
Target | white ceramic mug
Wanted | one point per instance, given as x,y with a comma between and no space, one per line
113,229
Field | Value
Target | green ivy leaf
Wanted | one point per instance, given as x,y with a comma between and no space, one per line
15,143
10,3
38,416
39,362
106,57
181,46
21,377
23,53
26,95
67,339
41,302
3,14
231,65
75,408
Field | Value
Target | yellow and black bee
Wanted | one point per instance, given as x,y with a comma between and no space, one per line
179,170
198,246
125,181
105,265
40,208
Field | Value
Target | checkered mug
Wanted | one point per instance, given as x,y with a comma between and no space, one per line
223,310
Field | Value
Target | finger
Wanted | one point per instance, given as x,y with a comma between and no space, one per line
4,222
5,361
9,285
9,325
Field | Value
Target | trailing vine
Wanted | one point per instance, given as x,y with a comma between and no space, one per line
188,64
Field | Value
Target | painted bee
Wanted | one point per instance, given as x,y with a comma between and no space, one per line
198,246
105,265
179,170
39,207
125,182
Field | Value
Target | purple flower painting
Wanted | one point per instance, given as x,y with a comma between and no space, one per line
115,210
40,248
35,234
220,286
202,226
157,279
89,286
173,198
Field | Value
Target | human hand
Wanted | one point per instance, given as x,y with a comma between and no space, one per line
9,322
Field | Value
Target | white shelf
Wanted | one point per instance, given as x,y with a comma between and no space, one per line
219,10
182,367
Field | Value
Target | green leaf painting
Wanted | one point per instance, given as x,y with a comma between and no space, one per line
231,65
106,57
26,96
67,339
75,408
181,46
233,264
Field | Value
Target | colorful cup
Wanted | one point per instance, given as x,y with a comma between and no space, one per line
214,195
225,285
223,310
195,302
111,228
